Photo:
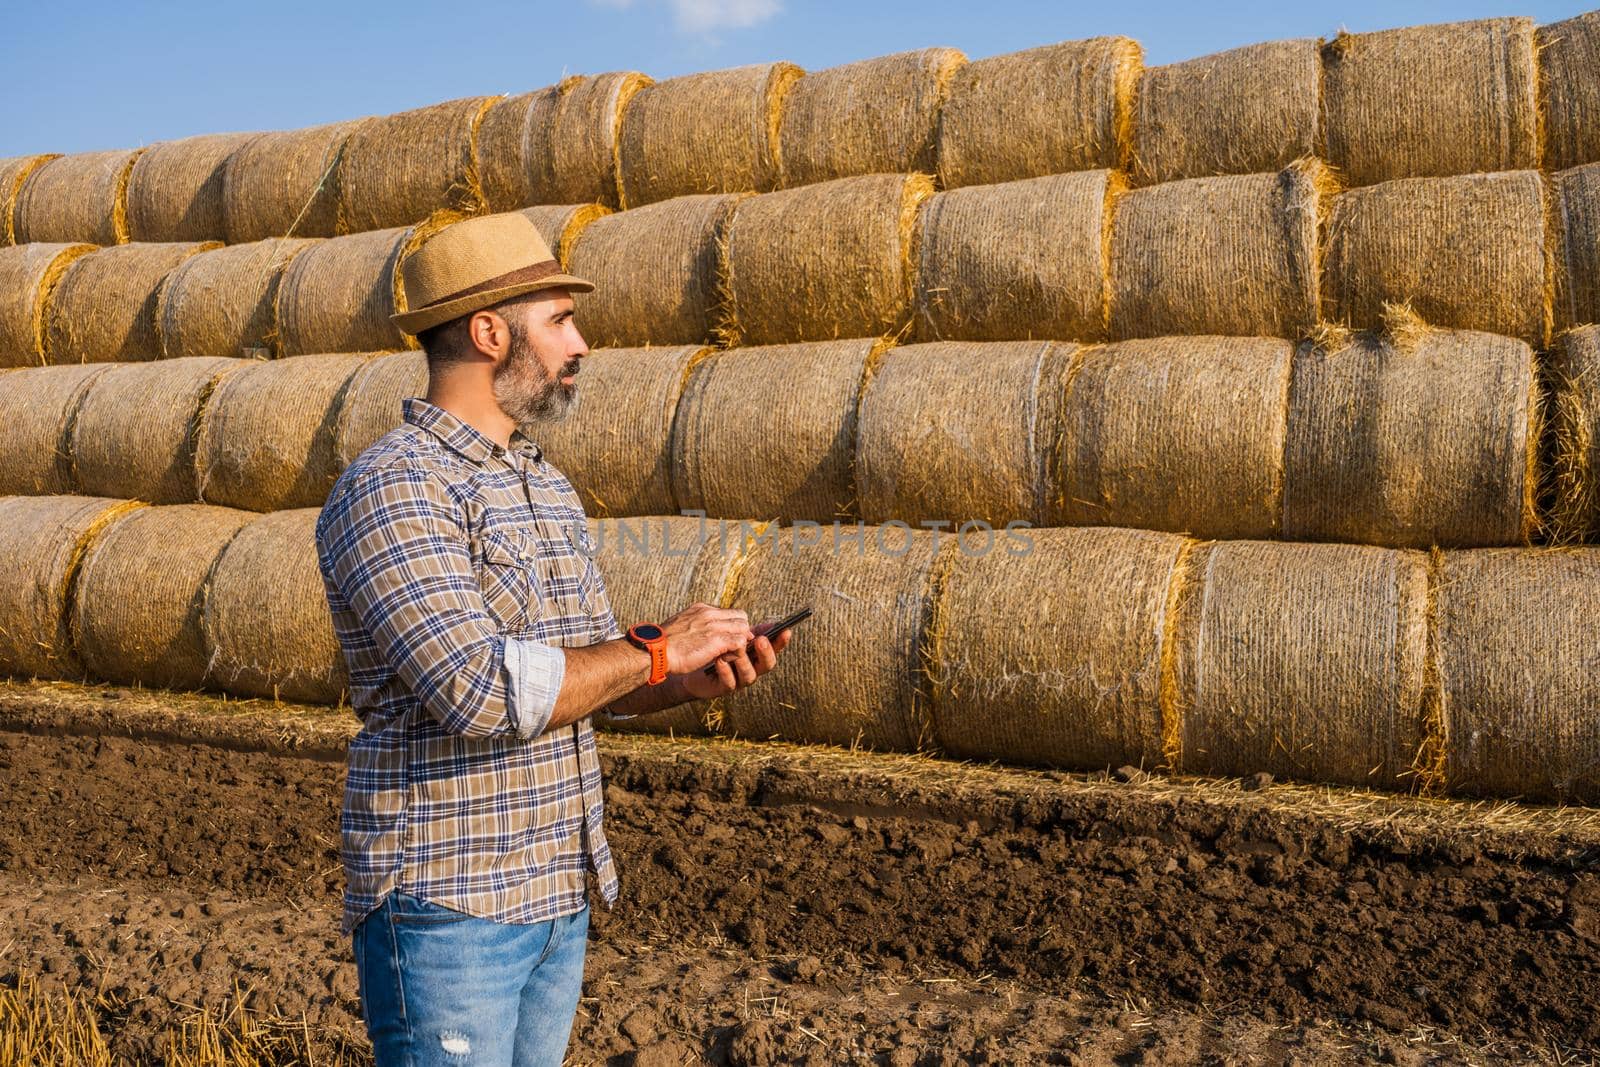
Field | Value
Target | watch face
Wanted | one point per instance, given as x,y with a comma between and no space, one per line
647,631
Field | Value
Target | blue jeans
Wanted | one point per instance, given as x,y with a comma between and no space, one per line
440,987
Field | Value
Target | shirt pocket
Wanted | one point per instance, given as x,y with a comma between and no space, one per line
507,575
591,590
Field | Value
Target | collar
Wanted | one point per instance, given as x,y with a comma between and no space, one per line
469,443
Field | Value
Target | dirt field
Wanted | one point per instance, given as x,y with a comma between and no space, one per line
789,905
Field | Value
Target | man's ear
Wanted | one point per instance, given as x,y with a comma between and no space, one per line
488,334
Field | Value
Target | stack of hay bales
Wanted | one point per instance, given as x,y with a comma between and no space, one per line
76,198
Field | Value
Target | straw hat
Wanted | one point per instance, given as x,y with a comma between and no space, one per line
477,263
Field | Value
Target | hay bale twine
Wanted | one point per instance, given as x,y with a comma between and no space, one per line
1574,382
1431,442
878,116
266,440
616,443
1175,433
1305,661
1576,241
399,169
503,170
220,303
655,272
46,537
37,406
715,132
823,262
372,403
1048,648
141,592
560,225
853,675
1466,252
1228,255
960,432
570,142
654,567
1050,110
1015,261
1569,61
175,188
13,172
80,197
1243,111
337,295
266,621
28,275
1518,690
103,310
745,442
1429,101
284,183
134,432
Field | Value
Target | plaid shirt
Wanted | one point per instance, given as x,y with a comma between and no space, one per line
454,569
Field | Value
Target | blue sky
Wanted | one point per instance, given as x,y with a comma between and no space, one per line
100,74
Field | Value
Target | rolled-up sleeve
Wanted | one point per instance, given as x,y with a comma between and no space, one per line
394,544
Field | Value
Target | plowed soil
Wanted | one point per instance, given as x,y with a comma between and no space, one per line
783,905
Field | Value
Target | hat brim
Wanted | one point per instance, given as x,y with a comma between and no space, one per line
423,318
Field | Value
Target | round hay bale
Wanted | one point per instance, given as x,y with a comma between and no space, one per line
372,402
1576,241
28,275
1519,694
1569,61
175,188
878,116
46,537
1575,463
81,197
266,621
715,132
1430,443
284,183
37,406
399,169
1228,255
1243,111
220,303
503,170
134,432
745,442
616,444
853,675
1022,260
1305,661
140,595
266,440
13,172
1466,252
571,138
1063,107
1047,649
560,225
337,295
1175,433
960,432
655,272
653,568
1430,101
823,262
103,310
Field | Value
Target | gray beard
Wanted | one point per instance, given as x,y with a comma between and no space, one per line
526,393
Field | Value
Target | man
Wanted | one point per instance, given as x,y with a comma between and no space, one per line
479,639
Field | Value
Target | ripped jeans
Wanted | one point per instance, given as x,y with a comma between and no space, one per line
439,987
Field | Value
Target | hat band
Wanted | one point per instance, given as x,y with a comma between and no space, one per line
522,275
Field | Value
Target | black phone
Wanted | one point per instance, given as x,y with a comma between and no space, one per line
786,623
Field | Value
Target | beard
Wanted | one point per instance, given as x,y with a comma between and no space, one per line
525,391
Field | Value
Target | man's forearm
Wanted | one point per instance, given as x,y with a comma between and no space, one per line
597,675
648,698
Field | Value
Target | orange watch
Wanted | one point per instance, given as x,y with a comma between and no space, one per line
650,637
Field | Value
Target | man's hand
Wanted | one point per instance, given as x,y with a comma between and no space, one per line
701,633
735,670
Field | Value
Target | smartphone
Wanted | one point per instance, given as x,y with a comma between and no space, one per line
786,623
